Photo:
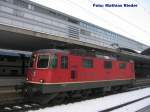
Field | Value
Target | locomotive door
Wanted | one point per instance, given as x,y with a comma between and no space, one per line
108,69
73,72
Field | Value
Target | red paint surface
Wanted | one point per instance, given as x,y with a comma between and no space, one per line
97,73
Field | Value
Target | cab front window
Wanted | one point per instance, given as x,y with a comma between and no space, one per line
43,61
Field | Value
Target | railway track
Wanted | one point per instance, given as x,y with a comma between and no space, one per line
142,82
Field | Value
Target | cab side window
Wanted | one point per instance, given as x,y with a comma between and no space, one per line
87,63
64,62
122,65
43,61
108,64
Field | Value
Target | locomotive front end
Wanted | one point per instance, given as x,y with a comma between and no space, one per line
39,74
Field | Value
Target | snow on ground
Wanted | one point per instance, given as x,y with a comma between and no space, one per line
103,103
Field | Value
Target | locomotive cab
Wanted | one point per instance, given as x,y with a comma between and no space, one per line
41,67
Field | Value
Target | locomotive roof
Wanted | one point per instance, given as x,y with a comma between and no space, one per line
80,52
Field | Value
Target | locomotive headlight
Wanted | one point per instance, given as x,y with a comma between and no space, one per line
41,81
27,79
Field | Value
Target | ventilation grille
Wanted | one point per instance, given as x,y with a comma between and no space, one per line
73,32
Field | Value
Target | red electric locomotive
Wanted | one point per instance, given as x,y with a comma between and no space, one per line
57,71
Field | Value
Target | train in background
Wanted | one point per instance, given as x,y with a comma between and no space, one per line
13,63
12,69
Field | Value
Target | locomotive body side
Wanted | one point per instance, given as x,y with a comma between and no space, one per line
53,72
